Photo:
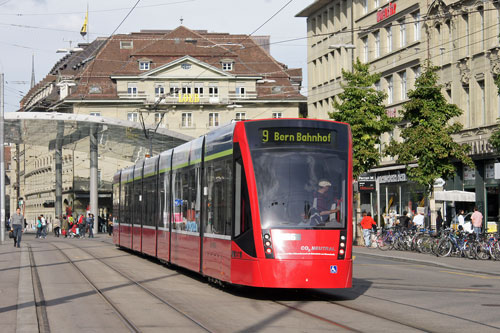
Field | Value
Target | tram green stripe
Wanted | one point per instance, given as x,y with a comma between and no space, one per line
219,155
180,166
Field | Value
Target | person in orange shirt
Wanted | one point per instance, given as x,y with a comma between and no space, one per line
367,224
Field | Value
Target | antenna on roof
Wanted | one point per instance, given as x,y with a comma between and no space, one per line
181,20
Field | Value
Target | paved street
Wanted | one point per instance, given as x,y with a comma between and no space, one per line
91,286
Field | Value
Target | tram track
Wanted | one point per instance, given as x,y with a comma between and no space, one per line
129,324
40,303
141,286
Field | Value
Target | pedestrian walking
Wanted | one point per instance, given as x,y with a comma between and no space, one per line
418,220
65,226
90,224
405,220
17,221
367,223
81,226
439,222
44,226
477,221
110,225
57,226
38,224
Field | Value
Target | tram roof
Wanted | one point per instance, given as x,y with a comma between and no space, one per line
119,139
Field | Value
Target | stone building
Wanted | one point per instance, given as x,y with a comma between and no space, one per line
396,38
183,80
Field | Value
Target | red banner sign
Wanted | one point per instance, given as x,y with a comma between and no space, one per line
386,12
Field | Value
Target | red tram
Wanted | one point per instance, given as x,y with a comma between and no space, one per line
263,203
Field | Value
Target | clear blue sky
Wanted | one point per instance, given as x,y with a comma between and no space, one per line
43,26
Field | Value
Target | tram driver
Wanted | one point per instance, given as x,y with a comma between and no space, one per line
324,210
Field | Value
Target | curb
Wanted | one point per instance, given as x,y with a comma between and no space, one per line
425,262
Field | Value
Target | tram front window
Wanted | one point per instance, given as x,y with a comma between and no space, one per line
301,189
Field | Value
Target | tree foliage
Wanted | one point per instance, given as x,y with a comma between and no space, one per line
427,134
361,106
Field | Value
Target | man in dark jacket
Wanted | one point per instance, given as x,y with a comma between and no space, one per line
16,224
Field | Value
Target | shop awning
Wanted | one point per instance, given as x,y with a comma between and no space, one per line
455,196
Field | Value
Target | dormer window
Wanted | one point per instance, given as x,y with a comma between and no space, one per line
126,44
227,65
144,65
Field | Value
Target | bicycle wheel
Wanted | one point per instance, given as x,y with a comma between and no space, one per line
444,248
482,250
495,250
383,241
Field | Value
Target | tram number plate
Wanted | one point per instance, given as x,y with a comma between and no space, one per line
333,269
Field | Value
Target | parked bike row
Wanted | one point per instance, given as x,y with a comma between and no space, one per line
448,242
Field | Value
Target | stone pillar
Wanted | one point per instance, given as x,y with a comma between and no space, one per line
94,195
58,167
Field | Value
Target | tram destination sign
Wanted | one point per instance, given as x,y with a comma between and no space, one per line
297,136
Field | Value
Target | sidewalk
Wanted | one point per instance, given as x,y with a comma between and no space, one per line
490,267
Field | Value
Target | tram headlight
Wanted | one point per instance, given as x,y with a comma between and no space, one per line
342,244
269,251
342,238
267,243
267,236
341,252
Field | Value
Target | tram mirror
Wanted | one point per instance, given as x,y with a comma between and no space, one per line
205,191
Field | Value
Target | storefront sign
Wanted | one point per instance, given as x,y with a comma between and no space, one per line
366,183
395,178
189,98
469,173
386,12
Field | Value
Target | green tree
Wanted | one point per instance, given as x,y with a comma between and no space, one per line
362,107
427,133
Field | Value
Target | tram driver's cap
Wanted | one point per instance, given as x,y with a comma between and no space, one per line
324,183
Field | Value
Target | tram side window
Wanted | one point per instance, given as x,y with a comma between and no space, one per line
220,196
148,197
128,201
162,199
116,200
177,202
243,215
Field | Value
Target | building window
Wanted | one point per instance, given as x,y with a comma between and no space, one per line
132,89
241,116
213,119
186,88
174,89
402,77
133,116
376,3
402,33
240,91
157,118
390,90
389,39
364,41
213,91
483,100
159,90
144,65
467,106
416,26
377,86
481,14
365,6
126,44
95,114
376,35
198,89
187,119
227,66
277,115
467,39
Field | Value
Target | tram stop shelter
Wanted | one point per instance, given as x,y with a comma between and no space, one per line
119,139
